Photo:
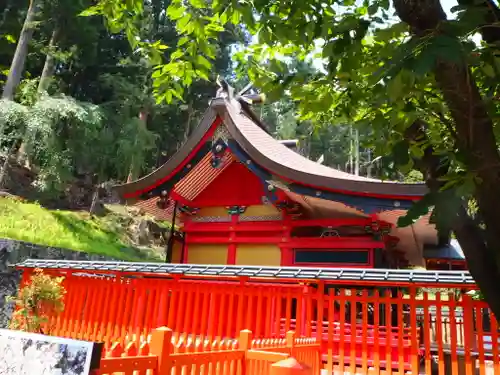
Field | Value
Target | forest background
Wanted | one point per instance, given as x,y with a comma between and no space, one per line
78,105
107,93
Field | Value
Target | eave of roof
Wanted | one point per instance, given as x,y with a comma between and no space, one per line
133,189
150,206
283,162
273,156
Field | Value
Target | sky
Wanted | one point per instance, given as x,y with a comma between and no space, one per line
447,5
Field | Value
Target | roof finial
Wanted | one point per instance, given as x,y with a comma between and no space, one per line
225,90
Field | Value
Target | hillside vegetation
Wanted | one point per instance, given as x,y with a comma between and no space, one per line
114,234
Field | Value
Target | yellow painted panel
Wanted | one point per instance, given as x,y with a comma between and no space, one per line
213,211
258,255
207,254
176,252
261,210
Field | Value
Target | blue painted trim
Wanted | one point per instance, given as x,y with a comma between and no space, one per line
368,205
170,183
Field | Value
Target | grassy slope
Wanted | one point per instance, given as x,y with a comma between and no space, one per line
72,230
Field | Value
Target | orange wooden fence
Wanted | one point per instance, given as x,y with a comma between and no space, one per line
359,330
162,353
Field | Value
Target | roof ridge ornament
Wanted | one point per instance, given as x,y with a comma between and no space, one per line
226,91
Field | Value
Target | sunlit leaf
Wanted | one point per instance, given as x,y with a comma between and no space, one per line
197,3
201,60
175,11
92,11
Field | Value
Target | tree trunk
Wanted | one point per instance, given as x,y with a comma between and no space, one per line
187,129
475,140
96,206
43,85
5,14
132,175
4,172
17,64
15,73
50,62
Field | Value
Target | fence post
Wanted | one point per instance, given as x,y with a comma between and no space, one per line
290,366
290,341
245,344
469,333
245,340
161,346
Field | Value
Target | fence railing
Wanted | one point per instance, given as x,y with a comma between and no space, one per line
163,353
383,329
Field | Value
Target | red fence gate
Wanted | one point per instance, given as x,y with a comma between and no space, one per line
361,329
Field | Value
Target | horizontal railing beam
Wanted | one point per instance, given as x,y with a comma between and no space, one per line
337,276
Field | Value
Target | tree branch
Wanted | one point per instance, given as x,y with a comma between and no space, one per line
489,31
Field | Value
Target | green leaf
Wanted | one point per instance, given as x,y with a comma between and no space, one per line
10,38
198,4
400,153
177,92
406,168
235,18
417,210
176,55
168,96
202,61
446,207
183,22
416,151
372,9
216,4
395,87
224,17
450,183
467,187
448,48
424,62
156,74
489,70
202,74
175,11
92,11
182,41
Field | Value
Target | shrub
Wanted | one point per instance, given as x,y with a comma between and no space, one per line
36,302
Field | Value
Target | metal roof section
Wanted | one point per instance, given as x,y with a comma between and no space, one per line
271,155
389,276
280,160
202,175
150,206
451,251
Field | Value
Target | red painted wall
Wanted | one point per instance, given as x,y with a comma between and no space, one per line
236,186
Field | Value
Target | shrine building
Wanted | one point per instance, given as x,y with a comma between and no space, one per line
241,197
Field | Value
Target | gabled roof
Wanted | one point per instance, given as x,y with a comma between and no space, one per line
271,155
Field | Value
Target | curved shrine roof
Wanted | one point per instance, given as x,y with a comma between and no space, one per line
271,155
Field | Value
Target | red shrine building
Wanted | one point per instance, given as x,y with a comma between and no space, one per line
241,197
